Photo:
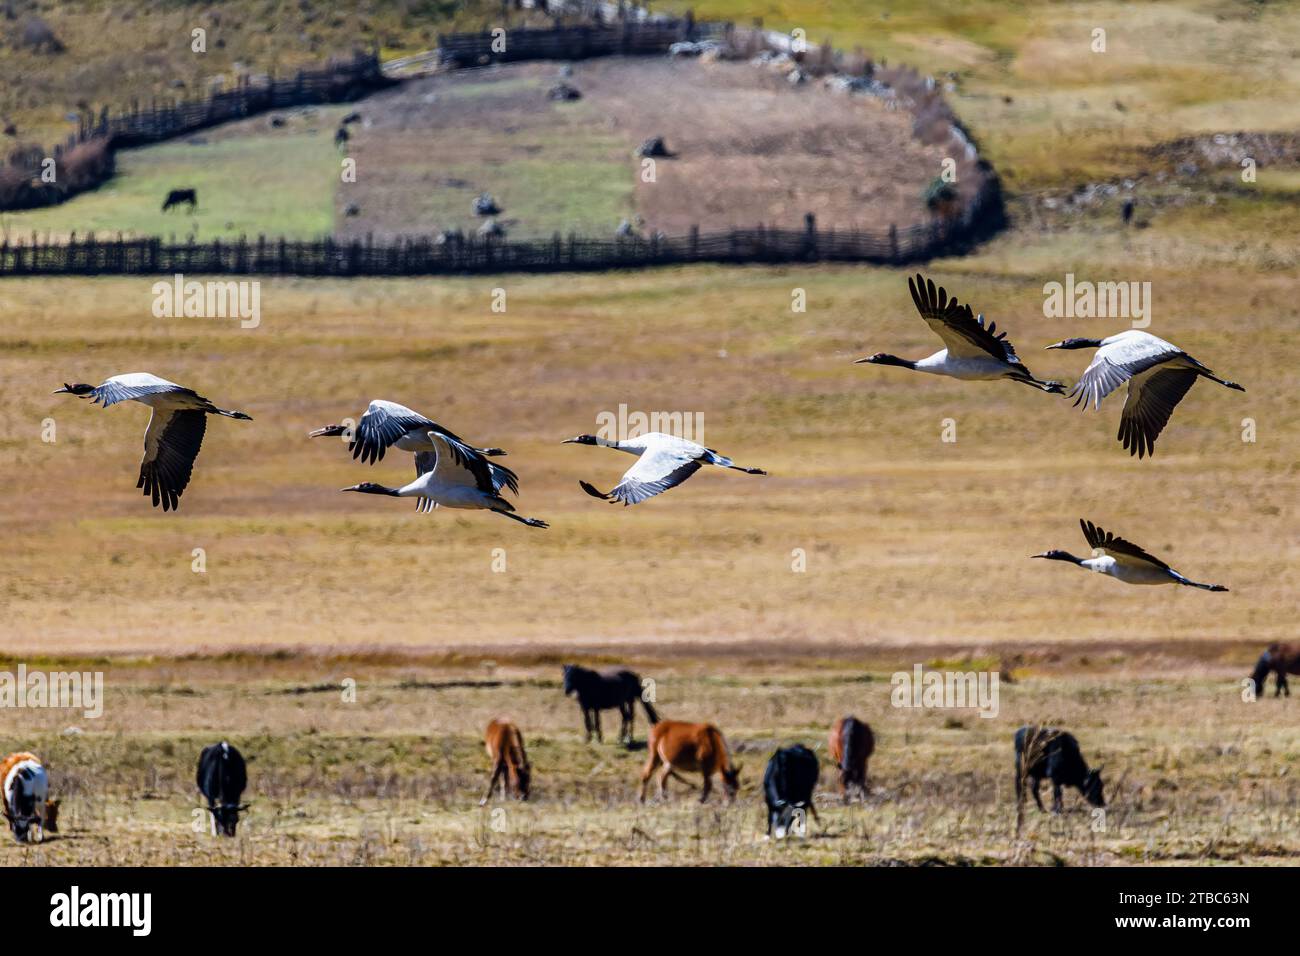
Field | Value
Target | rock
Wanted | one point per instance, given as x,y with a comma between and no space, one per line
563,92
485,205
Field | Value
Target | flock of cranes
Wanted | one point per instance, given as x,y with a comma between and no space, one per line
452,473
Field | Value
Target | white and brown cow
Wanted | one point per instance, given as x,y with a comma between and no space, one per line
27,807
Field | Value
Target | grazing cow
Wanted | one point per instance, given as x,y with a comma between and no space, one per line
1126,211
222,778
700,748
788,785
350,118
341,137
605,690
505,747
27,807
178,196
852,745
1281,659
1047,752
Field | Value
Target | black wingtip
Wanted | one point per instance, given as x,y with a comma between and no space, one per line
589,489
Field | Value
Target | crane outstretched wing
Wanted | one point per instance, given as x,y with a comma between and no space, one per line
965,335
1116,547
171,443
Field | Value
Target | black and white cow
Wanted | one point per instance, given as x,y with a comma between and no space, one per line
1047,752
222,778
788,785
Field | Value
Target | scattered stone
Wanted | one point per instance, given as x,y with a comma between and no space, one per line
485,205
563,92
492,229
654,147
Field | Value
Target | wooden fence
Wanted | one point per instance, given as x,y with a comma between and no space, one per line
421,256
623,37
339,81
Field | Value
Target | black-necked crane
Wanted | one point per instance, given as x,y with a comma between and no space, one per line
388,424
1123,560
453,475
974,352
1158,373
176,426
664,462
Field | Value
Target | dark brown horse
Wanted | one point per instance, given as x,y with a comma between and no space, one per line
605,690
852,744
1281,659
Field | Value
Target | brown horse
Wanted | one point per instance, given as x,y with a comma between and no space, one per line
1281,659
505,747
699,748
852,745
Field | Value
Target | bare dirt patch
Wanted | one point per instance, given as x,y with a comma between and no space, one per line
750,148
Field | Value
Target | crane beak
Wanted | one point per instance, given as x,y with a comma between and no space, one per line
1055,345
1043,555
59,391
569,441
351,488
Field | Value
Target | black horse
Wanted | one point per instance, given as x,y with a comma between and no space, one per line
178,196
605,690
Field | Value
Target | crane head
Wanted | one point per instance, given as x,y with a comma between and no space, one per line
79,388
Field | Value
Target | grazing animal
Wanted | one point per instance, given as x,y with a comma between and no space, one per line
788,784
172,440
1123,560
655,146
1281,659
27,807
341,137
665,462
491,229
1126,211
851,746
505,748
1158,373
699,748
350,118
974,352
178,196
1047,752
605,690
221,778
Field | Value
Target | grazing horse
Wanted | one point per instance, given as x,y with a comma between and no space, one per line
505,748
1281,659
605,690
222,777
788,784
178,196
1047,752
27,807
852,745
695,747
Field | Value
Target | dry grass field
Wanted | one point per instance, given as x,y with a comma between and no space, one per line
915,550
1194,776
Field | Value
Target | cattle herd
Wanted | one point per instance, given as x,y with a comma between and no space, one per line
674,747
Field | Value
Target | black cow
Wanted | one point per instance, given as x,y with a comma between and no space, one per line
605,690
1047,752
788,784
222,778
178,196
